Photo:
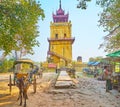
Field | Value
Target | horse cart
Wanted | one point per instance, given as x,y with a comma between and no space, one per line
24,75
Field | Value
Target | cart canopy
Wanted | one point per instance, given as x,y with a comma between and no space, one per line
23,61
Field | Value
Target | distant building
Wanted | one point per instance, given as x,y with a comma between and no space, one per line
79,59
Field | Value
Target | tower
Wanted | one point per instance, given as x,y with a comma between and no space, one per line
60,41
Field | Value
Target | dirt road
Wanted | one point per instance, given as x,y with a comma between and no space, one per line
89,92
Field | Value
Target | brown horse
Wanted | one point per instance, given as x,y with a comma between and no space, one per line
23,84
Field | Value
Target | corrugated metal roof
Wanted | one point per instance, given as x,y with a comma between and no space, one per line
93,63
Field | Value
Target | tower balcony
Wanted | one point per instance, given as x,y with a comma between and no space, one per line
61,39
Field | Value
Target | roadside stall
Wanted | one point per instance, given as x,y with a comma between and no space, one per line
115,58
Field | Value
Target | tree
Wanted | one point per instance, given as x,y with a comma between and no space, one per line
82,4
112,44
6,65
93,59
109,20
18,25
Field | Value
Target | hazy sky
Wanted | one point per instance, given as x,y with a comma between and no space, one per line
85,29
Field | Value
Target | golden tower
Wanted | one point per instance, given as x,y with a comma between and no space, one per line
60,41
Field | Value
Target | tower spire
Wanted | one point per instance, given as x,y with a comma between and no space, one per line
60,15
60,4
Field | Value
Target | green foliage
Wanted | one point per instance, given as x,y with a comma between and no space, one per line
6,65
82,4
18,24
92,59
110,17
109,20
113,44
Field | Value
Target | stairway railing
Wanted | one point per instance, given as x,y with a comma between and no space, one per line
58,55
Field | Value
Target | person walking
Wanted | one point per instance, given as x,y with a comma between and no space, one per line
107,75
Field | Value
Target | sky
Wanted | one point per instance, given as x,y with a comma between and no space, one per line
88,35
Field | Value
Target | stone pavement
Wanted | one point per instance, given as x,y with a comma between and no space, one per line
63,80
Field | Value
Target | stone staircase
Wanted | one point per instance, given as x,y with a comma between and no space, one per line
64,80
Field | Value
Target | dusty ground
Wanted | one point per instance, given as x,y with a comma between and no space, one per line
88,93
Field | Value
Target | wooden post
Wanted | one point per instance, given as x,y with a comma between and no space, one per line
10,84
34,84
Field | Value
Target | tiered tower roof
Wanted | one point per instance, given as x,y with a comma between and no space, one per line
60,15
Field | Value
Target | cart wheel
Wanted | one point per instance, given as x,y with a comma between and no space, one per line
10,84
34,84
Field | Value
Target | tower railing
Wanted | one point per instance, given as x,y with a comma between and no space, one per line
62,39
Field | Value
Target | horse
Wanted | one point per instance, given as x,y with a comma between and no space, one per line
23,81
23,84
